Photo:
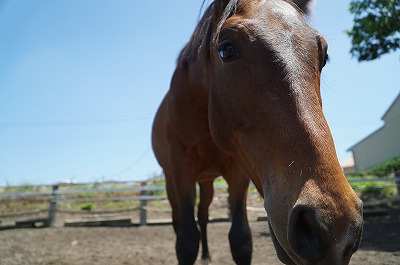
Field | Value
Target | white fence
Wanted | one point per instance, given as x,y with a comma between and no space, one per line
56,195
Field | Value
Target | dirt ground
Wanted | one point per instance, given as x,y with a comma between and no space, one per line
154,245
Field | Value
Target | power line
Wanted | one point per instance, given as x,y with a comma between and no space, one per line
135,162
83,122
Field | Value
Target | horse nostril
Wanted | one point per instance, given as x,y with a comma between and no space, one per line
308,236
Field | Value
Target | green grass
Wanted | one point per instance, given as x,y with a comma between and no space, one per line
24,188
220,181
158,205
87,206
12,207
374,189
119,204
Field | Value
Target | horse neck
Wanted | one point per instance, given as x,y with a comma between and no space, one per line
193,62
193,82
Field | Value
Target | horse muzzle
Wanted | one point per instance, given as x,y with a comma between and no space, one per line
315,240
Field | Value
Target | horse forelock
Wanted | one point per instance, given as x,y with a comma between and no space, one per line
229,10
206,34
208,28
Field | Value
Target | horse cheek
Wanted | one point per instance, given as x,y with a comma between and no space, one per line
218,125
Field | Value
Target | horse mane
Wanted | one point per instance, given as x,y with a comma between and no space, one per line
203,37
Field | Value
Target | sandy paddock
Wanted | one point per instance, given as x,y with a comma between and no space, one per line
153,245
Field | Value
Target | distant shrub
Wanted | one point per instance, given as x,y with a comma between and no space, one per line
87,206
157,192
385,169
375,189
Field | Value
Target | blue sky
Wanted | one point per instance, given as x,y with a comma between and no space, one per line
80,82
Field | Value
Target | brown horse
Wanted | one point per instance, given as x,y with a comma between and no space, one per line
245,102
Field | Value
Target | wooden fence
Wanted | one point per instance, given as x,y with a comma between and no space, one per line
56,195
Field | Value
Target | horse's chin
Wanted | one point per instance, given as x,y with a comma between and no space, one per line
282,255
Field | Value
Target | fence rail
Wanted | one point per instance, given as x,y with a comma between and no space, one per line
55,195
72,192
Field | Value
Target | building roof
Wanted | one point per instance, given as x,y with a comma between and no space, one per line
365,138
395,105
392,107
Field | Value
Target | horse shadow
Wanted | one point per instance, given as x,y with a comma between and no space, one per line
381,233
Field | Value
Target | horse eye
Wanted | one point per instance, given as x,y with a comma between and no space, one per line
227,51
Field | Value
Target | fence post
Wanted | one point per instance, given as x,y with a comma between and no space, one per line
143,204
53,206
397,176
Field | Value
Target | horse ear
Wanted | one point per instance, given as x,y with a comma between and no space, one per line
304,5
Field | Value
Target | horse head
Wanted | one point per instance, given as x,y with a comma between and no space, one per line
265,110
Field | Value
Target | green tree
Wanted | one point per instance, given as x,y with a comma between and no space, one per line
376,28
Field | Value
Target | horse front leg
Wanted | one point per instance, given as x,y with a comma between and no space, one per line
206,196
187,233
240,234
187,237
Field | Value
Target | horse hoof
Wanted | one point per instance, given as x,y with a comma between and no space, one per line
206,261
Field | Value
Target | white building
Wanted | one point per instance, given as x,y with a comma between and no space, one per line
381,145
